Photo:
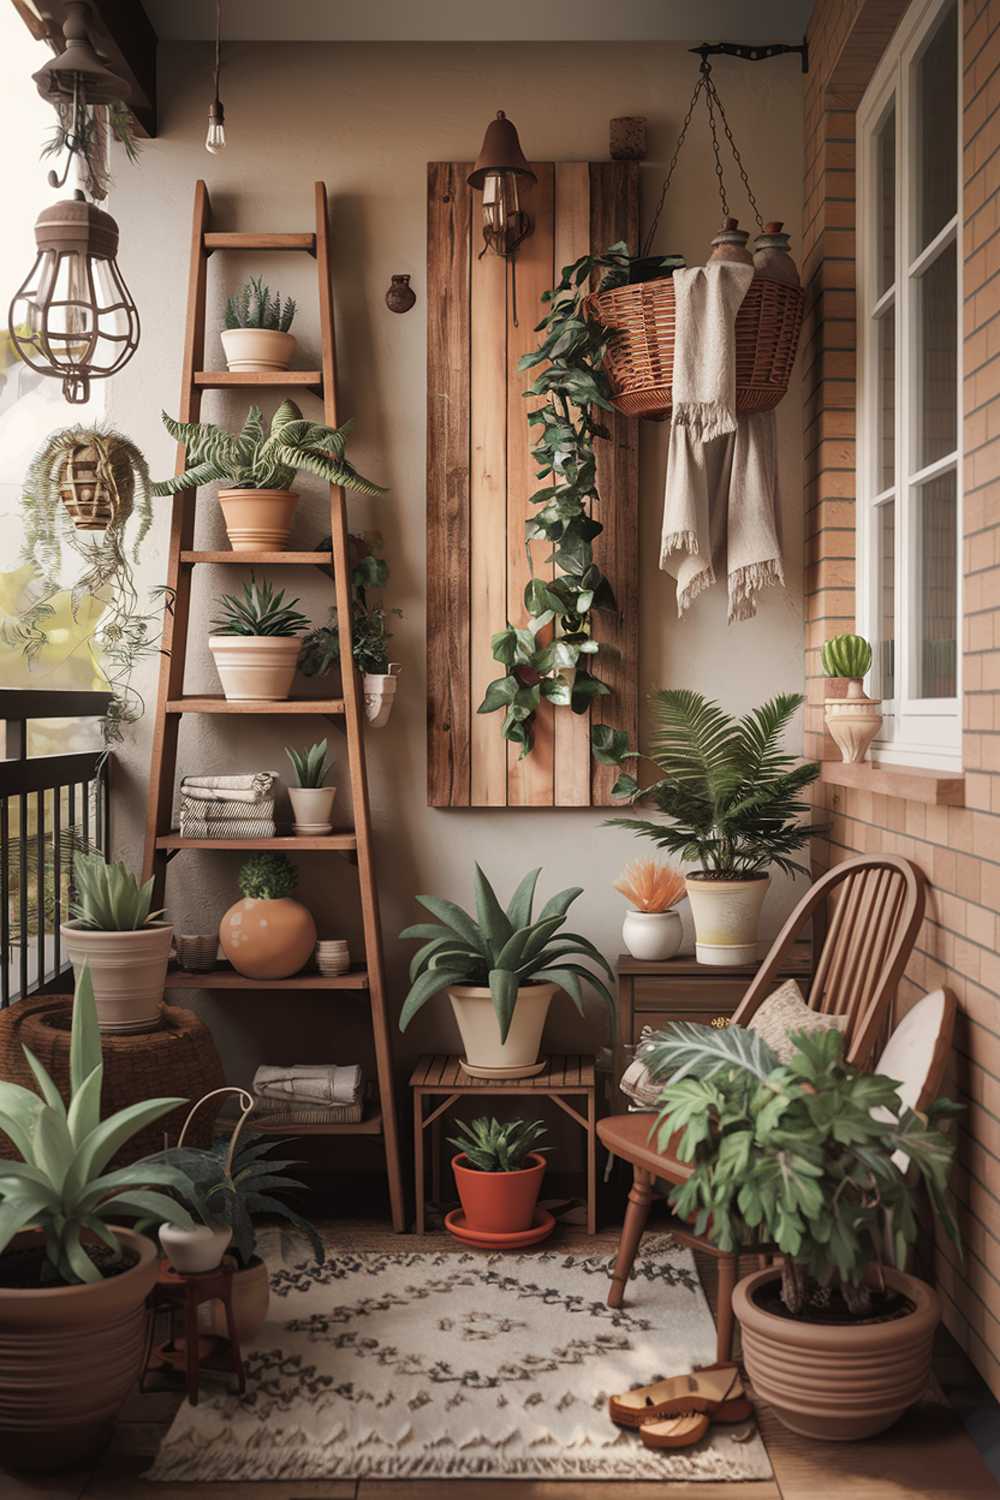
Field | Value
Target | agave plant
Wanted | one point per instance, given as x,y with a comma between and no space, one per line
846,656
263,460
501,949
491,1147
259,612
60,1185
108,898
311,766
254,307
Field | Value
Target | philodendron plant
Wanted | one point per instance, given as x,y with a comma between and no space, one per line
503,950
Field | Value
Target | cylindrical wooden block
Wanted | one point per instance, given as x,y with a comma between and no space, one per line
627,138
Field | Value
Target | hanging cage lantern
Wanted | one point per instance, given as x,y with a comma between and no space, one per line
73,317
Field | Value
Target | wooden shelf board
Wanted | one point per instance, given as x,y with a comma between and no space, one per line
220,380
336,842
260,559
225,978
215,703
912,783
236,240
370,1125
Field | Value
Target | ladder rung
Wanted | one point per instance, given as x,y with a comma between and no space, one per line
228,240
262,380
249,558
217,704
343,842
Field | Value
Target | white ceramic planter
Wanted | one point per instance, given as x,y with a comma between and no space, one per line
652,934
312,809
255,668
853,722
726,917
485,1055
258,520
193,1251
258,348
127,969
380,694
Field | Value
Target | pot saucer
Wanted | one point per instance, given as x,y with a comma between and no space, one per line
487,1239
478,1072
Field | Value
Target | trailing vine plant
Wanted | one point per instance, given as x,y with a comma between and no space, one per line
561,668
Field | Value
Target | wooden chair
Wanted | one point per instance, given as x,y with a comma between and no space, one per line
869,910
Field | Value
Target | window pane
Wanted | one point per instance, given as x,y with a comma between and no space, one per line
885,650
885,472
885,200
936,603
937,329
936,116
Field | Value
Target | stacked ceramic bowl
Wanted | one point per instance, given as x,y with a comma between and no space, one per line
332,956
197,952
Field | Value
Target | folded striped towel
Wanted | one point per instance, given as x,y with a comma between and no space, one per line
277,1112
250,827
226,812
248,787
309,1083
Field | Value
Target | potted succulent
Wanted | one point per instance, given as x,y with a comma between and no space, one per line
267,935
498,1173
824,1163
734,801
852,718
501,970
652,926
256,643
256,336
311,798
125,944
257,469
370,635
73,1284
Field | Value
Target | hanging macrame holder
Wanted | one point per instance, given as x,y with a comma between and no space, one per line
247,1104
639,360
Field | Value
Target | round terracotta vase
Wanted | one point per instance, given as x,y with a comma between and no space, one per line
838,1382
485,1055
726,917
69,1356
258,520
128,971
267,939
251,1299
255,668
499,1202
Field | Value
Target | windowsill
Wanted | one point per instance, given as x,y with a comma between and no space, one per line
912,783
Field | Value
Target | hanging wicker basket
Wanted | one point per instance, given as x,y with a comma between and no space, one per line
639,361
92,490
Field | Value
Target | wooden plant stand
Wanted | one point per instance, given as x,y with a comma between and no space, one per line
175,1293
442,1077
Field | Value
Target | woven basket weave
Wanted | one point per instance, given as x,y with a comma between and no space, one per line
178,1059
640,357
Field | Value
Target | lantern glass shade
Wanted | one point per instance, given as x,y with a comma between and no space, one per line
73,317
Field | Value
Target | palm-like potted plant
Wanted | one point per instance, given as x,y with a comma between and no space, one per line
256,643
267,935
257,468
498,1173
256,336
126,945
311,798
822,1162
733,797
501,969
73,1285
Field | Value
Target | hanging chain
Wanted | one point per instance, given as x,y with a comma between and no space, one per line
710,98
713,95
702,80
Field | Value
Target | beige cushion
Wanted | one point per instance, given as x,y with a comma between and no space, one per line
785,1012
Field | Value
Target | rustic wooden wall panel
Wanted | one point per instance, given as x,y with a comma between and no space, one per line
480,475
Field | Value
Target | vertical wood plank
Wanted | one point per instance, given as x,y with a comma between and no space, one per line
530,781
614,215
488,509
448,615
572,239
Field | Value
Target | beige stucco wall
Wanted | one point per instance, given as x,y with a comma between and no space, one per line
366,118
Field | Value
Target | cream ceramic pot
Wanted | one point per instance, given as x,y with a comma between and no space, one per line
312,809
255,668
127,969
380,694
652,934
261,349
853,721
726,917
194,1251
485,1055
258,520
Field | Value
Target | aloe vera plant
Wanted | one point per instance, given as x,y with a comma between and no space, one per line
501,949
846,656
108,898
60,1185
311,766
260,611
491,1147
254,307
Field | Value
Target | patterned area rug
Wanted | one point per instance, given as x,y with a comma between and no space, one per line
449,1364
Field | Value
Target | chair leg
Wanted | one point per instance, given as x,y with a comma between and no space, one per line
639,1199
724,1310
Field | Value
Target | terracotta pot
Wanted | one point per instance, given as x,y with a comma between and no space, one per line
194,1251
258,348
255,668
312,808
726,917
485,1055
69,1356
128,971
853,721
258,519
652,934
839,687
499,1202
838,1383
251,1299
380,694
267,939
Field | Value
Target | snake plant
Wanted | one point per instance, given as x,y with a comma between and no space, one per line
60,1185
846,656
108,898
502,949
311,766
263,460
491,1147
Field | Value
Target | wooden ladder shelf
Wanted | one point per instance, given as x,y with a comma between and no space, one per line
172,702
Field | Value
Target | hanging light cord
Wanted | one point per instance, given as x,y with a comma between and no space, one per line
218,47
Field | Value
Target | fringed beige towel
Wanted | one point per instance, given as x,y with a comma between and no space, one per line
706,301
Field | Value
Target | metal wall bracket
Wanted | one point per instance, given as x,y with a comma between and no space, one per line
752,54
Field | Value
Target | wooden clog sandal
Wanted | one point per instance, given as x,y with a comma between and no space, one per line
675,1432
702,1391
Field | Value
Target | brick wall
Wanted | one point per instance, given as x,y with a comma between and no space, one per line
957,848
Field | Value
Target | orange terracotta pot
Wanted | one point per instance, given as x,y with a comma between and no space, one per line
267,939
499,1202
258,519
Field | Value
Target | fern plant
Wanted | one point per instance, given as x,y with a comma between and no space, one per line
268,877
259,612
256,459
108,898
732,795
311,766
254,307
489,1146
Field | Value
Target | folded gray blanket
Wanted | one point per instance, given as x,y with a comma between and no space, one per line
310,1083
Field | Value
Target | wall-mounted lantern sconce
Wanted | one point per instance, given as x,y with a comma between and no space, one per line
497,174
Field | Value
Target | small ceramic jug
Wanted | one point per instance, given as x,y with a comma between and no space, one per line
730,244
771,257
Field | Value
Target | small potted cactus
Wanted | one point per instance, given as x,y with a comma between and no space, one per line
312,799
125,945
267,935
256,336
852,718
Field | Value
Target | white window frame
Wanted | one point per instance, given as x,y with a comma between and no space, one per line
915,731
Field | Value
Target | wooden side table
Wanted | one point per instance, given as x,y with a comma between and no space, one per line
442,1077
181,1295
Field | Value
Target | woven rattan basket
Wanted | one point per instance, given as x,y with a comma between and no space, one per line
178,1059
640,359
